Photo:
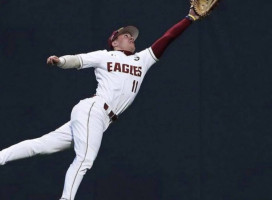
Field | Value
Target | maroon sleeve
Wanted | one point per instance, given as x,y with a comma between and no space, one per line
162,43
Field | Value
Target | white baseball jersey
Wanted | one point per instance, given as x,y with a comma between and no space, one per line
119,76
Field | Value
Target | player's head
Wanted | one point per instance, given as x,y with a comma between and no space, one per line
123,39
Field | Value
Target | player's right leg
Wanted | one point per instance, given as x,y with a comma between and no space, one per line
55,141
89,121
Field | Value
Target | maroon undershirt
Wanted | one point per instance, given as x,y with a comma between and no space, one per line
162,43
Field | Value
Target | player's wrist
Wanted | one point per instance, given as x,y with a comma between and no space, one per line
192,17
61,62
68,62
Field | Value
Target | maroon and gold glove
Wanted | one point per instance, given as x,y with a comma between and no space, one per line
202,8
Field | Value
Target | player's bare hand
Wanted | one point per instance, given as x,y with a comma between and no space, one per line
53,60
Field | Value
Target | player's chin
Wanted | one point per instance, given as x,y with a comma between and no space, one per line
133,48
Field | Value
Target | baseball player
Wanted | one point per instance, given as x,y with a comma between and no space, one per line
119,73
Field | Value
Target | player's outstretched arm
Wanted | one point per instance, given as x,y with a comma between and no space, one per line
64,62
171,34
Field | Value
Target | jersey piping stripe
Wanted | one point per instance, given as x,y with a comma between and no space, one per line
152,54
86,149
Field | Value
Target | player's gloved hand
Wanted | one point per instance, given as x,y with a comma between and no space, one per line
201,8
53,60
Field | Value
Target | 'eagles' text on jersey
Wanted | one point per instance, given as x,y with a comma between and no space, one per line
119,76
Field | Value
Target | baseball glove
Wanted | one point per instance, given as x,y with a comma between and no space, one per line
203,7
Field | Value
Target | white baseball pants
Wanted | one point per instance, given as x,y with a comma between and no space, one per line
88,122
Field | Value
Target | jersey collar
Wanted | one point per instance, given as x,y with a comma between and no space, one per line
128,53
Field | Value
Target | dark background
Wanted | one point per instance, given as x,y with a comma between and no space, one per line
200,128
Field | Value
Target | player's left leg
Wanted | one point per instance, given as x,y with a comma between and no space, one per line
89,121
55,141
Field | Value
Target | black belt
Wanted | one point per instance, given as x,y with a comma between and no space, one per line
111,114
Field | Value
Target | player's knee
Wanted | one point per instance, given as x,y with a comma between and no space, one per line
32,146
38,147
85,167
86,164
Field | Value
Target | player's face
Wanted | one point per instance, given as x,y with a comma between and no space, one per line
124,42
